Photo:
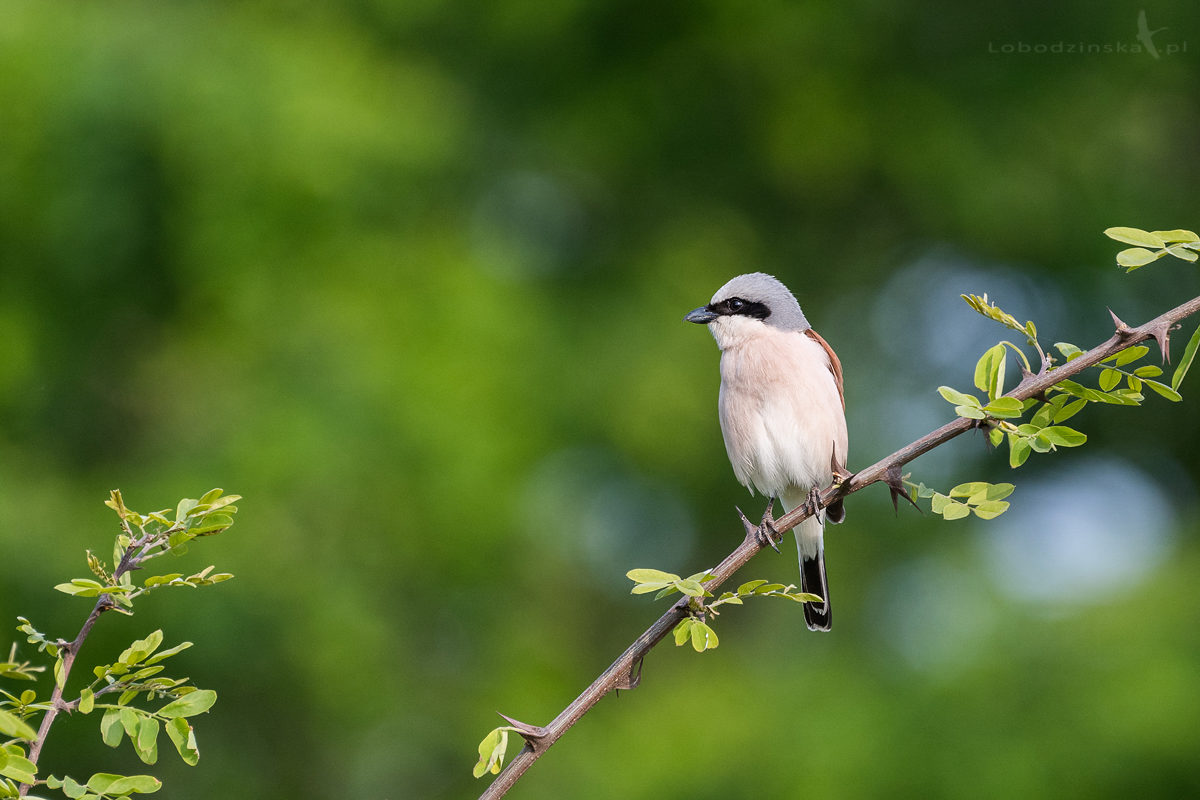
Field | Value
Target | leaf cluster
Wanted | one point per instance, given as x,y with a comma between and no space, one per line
985,500
136,700
1153,245
693,628
1118,382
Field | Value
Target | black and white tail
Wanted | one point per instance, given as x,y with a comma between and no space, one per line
810,542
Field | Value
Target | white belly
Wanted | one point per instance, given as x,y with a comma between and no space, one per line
781,414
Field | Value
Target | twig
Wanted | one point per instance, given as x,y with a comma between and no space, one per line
130,560
625,671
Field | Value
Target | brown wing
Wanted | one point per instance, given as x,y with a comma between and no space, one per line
835,366
835,511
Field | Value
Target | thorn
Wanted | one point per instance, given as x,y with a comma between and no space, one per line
840,473
632,678
532,734
895,482
1162,334
1122,328
751,528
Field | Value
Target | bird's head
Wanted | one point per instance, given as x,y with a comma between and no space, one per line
749,306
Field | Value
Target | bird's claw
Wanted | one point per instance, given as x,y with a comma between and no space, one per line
766,529
813,503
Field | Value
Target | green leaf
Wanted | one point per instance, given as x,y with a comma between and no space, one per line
1005,408
802,597
995,436
1164,390
955,510
110,727
958,398
989,371
999,491
141,649
969,489
17,767
1068,350
1109,379
1182,252
1136,257
146,743
1129,355
212,523
1124,397
161,655
87,701
1018,451
491,753
1135,236
190,704
703,637
750,586
1063,436
646,588
1177,235
683,631
184,739
1185,363
690,588
651,576
1044,415
129,721
184,508
81,587
1148,371
12,727
970,412
71,787
990,509
1078,390
119,785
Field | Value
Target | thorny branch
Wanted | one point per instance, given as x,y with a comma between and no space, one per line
625,672
134,554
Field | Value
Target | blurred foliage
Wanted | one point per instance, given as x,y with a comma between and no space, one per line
411,276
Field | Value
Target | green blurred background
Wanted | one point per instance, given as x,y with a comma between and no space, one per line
410,277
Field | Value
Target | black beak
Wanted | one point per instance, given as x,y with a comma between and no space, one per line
700,316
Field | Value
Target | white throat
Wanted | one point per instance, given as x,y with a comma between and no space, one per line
734,330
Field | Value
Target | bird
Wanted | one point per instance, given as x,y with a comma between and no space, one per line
782,411
1145,35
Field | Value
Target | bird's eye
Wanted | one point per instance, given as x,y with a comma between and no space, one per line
735,304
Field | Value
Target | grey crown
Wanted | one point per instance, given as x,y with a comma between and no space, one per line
759,287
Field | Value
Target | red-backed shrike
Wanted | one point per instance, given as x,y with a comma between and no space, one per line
782,408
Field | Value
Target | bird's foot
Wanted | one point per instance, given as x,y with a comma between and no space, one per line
766,528
764,532
813,503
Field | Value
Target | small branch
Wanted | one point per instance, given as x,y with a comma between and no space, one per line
619,674
129,561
